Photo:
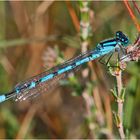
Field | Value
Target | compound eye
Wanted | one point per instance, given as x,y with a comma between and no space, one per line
118,33
122,39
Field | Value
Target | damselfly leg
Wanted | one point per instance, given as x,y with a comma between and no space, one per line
119,53
105,63
111,55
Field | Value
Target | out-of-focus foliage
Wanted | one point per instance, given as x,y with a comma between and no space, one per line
27,30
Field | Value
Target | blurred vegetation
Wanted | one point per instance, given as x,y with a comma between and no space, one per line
36,35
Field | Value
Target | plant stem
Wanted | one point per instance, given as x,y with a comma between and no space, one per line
120,104
85,33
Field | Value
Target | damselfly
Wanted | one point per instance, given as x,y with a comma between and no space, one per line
42,82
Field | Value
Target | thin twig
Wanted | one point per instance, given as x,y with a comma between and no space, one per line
133,52
73,16
136,6
132,15
120,104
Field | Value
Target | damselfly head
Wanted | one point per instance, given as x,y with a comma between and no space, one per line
122,38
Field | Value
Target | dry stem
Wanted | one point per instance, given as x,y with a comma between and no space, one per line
133,17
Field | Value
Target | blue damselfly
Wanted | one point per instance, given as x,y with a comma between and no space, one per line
41,83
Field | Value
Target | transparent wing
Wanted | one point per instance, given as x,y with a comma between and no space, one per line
40,88
43,87
54,69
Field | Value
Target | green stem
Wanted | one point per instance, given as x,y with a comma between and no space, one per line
84,35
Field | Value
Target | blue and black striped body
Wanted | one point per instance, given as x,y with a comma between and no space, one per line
119,40
41,83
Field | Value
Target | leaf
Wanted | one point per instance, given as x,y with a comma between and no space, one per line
116,119
122,95
114,93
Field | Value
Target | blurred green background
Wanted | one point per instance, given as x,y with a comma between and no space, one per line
37,35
